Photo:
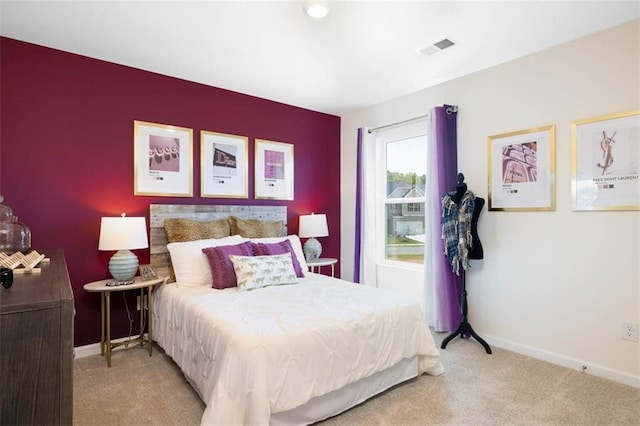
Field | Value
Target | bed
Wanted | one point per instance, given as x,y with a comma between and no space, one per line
288,353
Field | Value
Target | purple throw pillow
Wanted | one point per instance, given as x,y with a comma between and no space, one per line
222,273
282,247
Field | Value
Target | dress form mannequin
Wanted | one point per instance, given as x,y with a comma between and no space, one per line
475,252
461,188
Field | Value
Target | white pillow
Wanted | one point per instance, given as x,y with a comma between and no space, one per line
261,271
190,265
295,243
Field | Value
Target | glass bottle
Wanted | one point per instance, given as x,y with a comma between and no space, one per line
14,236
5,211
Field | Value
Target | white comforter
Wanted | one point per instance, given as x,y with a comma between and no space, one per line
250,354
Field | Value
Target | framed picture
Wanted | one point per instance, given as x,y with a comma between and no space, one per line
522,170
273,170
223,165
163,160
605,162
147,272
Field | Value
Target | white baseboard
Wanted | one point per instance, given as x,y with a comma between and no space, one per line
568,362
94,348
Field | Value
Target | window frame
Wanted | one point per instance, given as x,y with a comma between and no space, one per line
397,133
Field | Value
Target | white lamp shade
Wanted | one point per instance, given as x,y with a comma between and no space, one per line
118,233
313,225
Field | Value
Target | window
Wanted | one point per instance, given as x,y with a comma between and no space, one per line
404,197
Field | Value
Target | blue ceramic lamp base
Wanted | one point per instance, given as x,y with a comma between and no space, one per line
312,249
123,265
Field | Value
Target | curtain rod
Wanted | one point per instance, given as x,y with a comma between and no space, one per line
450,109
398,123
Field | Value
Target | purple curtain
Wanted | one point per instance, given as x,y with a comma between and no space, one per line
446,285
358,224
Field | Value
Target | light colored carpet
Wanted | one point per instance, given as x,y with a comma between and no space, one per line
477,389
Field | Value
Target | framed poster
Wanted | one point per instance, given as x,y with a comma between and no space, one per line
146,272
273,170
223,165
605,162
522,170
163,160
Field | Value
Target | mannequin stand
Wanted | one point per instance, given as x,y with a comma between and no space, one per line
465,328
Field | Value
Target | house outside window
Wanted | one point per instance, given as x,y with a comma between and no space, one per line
404,199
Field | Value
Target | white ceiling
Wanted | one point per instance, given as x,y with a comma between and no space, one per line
362,54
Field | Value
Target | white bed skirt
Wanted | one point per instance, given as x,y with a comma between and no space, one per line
340,400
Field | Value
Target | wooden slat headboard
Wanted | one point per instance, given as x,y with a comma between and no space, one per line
159,255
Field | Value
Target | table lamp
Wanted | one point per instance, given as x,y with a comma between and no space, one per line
123,234
311,226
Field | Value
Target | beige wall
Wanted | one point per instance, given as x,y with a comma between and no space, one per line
554,285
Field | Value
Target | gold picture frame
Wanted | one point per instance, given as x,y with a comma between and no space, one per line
273,170
521,168
146,272
605,162
163,160
224,171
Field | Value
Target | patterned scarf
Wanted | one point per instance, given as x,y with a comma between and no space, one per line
456,229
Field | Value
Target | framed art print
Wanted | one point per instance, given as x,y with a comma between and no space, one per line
522,170
163,160
223,165
605,162
273,170
146,272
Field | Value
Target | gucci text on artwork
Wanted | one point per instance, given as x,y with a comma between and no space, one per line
164,153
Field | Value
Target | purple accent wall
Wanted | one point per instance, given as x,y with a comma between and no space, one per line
66,156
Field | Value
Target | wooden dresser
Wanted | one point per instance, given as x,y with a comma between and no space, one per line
36,346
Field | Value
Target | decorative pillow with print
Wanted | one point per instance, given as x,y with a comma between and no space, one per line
282,247
180,230
253,228
294,240
254,272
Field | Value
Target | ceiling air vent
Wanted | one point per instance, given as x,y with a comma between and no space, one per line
435,47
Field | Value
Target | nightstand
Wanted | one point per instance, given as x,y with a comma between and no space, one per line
316,265
105,312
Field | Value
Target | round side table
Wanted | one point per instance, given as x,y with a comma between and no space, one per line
315,265
105,289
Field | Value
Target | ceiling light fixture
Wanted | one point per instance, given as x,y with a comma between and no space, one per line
316,9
